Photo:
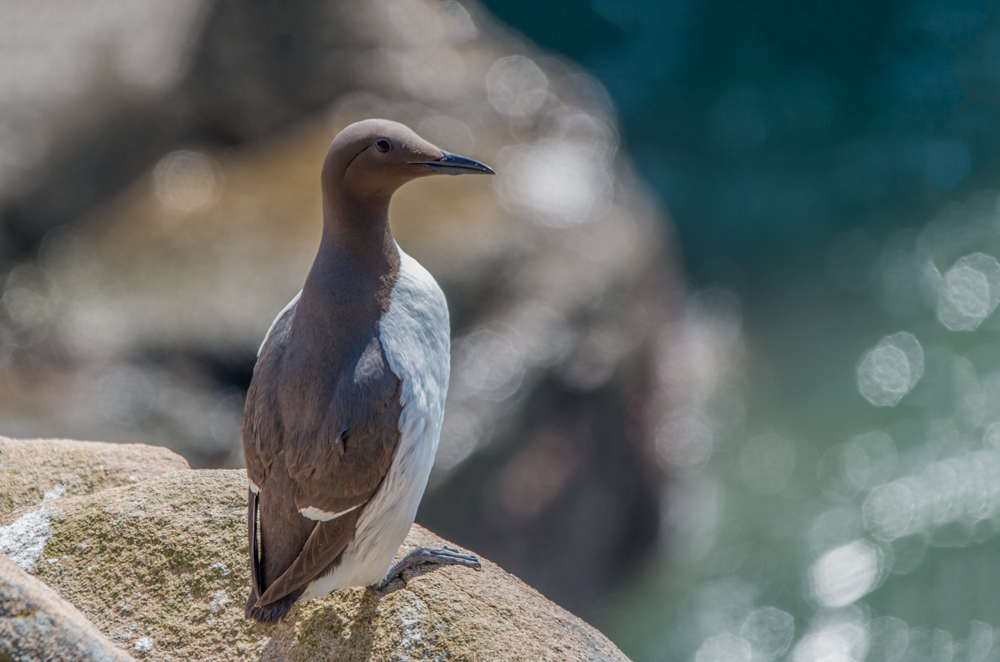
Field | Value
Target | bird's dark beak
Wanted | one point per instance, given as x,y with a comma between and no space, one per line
453,164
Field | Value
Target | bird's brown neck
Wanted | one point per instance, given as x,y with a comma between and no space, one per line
348,288
358,227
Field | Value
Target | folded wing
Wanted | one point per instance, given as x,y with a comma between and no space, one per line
315,461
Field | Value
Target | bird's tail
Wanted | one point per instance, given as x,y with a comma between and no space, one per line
274,612
270,613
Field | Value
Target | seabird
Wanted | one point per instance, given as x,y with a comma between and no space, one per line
344,410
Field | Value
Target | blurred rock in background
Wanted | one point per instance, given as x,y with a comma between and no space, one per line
159,203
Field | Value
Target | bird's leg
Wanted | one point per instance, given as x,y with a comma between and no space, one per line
423,555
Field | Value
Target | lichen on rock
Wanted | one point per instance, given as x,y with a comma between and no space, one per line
23,540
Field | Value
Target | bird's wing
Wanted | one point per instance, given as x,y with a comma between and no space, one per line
336,460
326,542
339,468
263,427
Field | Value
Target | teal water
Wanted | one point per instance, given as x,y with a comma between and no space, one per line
830,168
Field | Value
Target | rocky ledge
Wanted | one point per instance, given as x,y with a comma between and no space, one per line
32,470
159,567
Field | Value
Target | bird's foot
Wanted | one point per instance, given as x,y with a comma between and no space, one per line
426,555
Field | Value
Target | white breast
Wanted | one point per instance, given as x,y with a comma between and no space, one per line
415,336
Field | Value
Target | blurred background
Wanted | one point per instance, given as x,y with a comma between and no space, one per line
726,372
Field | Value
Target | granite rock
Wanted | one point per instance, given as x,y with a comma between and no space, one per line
160,568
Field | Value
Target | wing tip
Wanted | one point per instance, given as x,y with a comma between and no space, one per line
272,612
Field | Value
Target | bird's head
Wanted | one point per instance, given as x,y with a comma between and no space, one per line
370,159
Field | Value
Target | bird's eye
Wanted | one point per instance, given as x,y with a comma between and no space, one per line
383,145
